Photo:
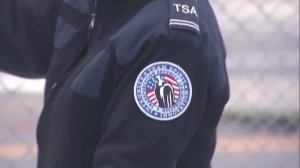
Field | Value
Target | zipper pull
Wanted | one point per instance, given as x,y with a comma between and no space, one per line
91,26
53,87
92,22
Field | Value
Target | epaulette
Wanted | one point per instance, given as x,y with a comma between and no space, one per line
184,15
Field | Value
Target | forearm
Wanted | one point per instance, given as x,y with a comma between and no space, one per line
26,36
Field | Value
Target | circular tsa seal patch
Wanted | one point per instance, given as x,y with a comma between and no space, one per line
163,91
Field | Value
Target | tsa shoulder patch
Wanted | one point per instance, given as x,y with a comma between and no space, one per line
163,91
184,15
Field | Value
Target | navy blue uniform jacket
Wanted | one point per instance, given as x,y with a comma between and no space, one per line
129,83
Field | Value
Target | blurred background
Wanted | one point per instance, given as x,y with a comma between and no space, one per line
260,126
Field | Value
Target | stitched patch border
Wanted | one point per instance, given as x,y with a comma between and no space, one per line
163,91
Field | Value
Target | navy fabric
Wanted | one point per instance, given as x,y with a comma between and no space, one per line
91,117
26,36
128,46
63,33
80,5
88,82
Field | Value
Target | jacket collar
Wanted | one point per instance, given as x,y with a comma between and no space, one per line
113,13
114,5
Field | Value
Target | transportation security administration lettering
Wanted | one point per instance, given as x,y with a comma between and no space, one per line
186,9
184,15
163,91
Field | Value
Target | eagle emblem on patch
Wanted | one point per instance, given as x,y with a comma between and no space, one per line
163,91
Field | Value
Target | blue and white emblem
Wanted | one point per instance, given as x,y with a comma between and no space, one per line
163,91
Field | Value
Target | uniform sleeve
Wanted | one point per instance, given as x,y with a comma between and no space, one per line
135,136
26,36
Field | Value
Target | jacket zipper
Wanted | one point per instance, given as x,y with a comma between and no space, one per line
91,4
92,22
92,7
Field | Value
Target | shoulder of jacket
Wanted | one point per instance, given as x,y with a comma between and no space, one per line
155,20
144,26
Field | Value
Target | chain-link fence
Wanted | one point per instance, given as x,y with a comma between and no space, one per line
260,127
